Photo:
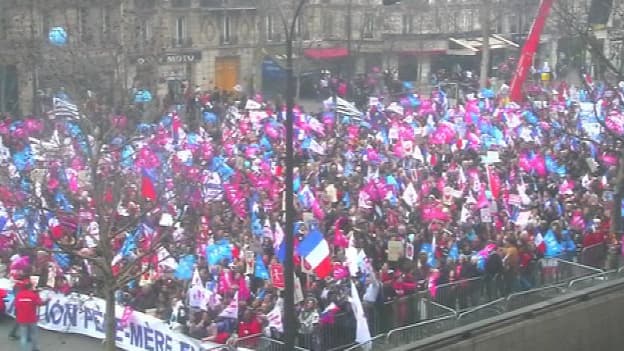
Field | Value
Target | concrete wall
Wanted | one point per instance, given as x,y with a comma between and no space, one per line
595,324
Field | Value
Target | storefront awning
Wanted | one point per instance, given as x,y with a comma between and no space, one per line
326,53
424,52
274,65
472,46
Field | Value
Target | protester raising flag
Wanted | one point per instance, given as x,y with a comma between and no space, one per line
315,251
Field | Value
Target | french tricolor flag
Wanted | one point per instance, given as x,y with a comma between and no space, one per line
315,250
148,189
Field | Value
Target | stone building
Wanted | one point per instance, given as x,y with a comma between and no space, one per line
88,58
115,47
171,47
197,44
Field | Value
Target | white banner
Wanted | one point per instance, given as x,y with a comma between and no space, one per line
81,314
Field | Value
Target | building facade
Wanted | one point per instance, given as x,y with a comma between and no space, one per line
174,47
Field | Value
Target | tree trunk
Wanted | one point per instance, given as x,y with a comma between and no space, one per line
110,322
485,50
3,79
618,195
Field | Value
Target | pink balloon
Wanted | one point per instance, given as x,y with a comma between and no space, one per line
119,122
4,128
53,183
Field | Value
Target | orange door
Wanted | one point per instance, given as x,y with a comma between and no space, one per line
226,72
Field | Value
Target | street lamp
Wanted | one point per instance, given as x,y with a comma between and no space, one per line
289,269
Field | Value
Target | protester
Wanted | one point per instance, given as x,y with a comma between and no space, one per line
27,302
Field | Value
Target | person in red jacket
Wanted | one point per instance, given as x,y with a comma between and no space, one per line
27,302
3,294
249,326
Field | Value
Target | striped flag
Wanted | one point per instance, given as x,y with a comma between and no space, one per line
343,107
63,109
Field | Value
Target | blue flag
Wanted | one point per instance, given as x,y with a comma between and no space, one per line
185,268
260,270
218,252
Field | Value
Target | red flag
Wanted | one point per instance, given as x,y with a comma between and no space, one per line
147,187
495,184
324,269
528,51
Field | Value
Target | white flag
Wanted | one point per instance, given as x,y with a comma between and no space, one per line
362,333
231,311
252,105
275,319
196,281
298,290
166,260
316,147
197,296
278,236
410,196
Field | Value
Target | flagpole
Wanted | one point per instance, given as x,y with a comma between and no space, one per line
289,269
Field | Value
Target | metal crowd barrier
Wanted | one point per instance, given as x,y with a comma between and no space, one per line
557,271
415,317
490,309
525,298
565,276
269,344
461,294
594,255
249,342
397,313
377,343
587,281
420,330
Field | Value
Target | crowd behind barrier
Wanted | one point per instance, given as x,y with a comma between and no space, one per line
410,210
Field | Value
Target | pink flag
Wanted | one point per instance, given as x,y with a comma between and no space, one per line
243,290
125,317
482,201
317,211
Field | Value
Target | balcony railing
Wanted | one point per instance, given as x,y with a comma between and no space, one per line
181,42
230,40
227,4
180,3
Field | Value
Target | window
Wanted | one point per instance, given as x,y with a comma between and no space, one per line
4,26
142,33
106,23
328,25
467,21
226,34
210,3
369,27
513,24
45,24
180,30
298,27
269,27
526,24
407,24
180,3
144,4
146,31
83,26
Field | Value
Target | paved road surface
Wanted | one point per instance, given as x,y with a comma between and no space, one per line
50,341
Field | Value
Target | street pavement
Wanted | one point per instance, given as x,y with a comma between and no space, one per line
49,341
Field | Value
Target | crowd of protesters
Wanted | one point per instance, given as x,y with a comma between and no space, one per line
484,189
